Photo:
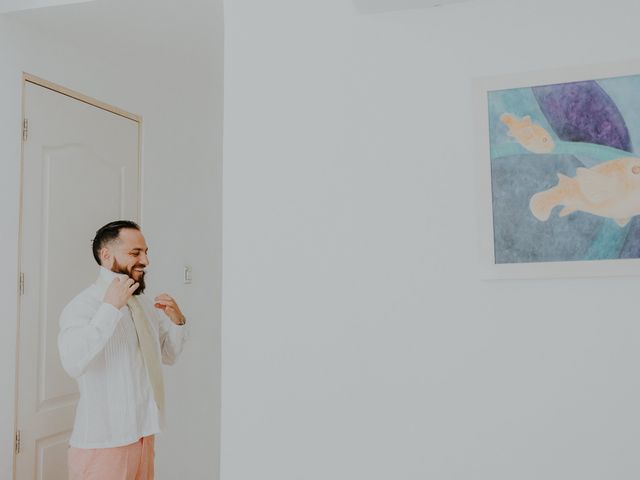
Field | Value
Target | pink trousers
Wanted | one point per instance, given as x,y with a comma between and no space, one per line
130,462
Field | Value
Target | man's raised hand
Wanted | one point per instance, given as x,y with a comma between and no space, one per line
120,291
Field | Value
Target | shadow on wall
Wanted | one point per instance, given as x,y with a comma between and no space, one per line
380,6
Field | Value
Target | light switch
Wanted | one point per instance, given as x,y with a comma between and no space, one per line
187,274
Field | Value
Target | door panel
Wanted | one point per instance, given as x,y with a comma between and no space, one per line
80,171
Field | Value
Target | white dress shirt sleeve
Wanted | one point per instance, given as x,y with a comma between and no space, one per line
172,338
84,332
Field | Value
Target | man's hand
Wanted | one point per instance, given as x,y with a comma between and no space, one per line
169,306
120,291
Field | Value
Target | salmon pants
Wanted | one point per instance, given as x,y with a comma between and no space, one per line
130,462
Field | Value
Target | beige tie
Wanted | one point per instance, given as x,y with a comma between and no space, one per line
148,349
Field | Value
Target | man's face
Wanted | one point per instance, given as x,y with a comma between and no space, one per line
129,255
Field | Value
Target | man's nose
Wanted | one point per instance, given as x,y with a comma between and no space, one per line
144,259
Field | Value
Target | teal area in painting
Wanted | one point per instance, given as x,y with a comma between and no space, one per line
590,153
608,238
608,242
519,101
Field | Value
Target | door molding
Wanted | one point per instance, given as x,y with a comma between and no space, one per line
33,79
27,77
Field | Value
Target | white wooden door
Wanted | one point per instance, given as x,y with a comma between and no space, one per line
80,171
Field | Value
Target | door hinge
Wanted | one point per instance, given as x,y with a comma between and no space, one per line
25,130
21,283
17,441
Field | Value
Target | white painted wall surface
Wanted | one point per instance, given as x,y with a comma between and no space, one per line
180,99
358,342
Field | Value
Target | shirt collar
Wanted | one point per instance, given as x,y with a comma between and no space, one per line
105,277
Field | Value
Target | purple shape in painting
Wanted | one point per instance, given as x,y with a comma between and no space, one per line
583,112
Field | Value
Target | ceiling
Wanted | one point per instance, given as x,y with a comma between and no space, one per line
178,27
130,26
16,5
379,6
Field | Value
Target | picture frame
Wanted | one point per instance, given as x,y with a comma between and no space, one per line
524,237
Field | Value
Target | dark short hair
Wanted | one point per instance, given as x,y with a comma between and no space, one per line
109,233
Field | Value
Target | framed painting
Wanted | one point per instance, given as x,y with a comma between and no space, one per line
558,157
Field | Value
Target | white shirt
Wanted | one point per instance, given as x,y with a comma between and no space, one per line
99,347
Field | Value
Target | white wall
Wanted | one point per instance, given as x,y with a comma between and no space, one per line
358,341
180,99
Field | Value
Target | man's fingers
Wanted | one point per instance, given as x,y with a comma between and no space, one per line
134,287
164,302
168,309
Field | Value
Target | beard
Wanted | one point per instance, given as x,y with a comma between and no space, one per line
117,268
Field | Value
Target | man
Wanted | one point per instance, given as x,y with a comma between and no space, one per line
112,342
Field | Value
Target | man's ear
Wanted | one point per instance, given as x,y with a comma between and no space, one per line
105,257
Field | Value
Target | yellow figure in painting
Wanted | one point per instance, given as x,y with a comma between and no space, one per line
610,189
528,134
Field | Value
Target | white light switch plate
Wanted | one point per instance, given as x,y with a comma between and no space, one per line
187,275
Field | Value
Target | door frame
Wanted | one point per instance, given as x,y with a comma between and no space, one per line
33,79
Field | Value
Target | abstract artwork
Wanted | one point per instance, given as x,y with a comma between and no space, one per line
564,170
